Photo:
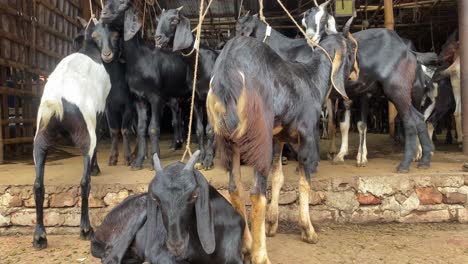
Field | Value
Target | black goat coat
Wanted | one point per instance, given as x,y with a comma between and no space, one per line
134,230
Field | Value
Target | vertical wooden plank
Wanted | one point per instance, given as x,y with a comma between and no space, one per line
85,9
463,37
389,24
1,137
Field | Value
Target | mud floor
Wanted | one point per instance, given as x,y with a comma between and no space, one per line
394,243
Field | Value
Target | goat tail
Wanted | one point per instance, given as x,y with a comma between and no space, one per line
47,109
245,121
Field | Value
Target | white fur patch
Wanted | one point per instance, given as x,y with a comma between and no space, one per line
83,82
331,26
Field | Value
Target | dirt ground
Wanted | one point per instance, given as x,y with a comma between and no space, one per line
65,165
393,243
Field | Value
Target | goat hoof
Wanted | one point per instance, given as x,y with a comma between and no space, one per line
40,239
86,233
309,237
402,169
424,165
198,166
361,164
95,171
208,162
271,228
112,161
284,160
337,161
137,165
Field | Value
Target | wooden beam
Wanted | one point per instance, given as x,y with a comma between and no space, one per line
389,24
1,139
463,37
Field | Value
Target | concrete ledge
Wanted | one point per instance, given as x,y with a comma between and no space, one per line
353,199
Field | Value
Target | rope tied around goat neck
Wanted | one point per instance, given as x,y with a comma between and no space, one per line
309,41
195,73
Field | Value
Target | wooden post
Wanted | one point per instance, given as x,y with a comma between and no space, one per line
1,137
389,24
85,9
463,37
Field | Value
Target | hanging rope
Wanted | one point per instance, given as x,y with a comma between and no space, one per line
92,17
195,72
263,19
204,14
102,4
144,18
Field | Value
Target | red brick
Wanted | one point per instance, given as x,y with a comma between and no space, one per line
368,199
428,195
454,198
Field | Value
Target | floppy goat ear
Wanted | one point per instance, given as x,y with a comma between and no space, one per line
338,77
205,221
204,214
183,36
132,24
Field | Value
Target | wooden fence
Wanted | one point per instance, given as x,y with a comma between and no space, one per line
34,36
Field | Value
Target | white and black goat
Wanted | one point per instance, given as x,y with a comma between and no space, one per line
181,219
384,61
75,93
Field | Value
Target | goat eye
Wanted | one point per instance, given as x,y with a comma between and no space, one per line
175,21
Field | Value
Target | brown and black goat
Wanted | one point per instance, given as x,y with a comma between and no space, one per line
257,101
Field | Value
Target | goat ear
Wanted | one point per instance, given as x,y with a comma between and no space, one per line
183,37
205,220
83,22
330,28
78,42
338,77
132,24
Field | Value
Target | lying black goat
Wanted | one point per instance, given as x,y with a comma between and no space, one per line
181,219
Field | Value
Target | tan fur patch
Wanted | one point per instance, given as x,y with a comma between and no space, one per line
277,180
307,230
355,72
241,106
215,110
259,250
277,130
335,66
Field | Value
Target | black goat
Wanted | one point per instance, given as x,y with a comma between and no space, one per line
182,219
256,97
154,75
120,108
288,48
174,29
74,94
385,59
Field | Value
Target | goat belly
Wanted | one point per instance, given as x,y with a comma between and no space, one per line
81,81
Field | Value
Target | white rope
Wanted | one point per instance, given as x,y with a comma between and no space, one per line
195,73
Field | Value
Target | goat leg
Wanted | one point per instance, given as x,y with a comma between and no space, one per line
41,144
258,198
236,192
141,107
210,148
277,180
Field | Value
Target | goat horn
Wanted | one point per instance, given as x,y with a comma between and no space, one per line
179,8
347,26
315,2
156,163
324,4
191,163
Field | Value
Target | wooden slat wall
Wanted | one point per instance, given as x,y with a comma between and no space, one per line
34,36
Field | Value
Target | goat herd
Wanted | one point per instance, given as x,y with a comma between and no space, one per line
261,90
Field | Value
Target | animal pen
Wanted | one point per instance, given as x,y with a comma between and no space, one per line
361,182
